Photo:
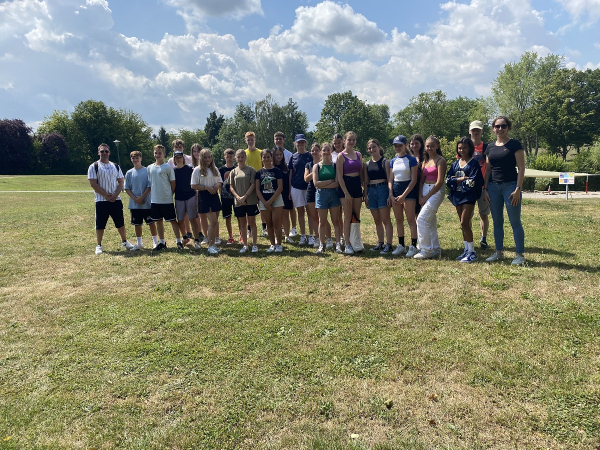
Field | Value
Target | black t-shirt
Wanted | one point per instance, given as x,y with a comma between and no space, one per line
311,186
376,170
286,180
268,181
183,177
298,162
226,188
503,161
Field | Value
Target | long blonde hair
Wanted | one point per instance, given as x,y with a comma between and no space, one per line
203,168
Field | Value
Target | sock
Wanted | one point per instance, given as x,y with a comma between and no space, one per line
162,241
401,240
413,242
178,240
471,246
200,236
483,239
466,245
264,225
380,244
155,240
139,241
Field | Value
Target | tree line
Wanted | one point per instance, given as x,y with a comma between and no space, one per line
551,107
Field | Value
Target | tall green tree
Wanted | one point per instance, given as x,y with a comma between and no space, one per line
16,147
566,110
54,155
515,91
212,127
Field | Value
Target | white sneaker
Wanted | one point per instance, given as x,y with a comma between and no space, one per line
127,244
278,249
217,248
338,248
205,241
244,249
137,247
98,249
288,240
254,249
218,241
265,233
197,245
420,255
320,249
212,250
412,251
329,243
303,240
316,244
293,232
311,240
349,250
400,250
519,260
495,257
271,249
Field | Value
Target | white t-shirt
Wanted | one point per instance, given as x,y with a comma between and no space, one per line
208,180
107,177
160,178
401,167
287,155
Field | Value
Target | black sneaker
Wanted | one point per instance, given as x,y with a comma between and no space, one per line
189,236
386,249
180,245
160,246
483,244
378,247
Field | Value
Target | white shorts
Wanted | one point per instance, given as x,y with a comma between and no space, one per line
276,204
299,197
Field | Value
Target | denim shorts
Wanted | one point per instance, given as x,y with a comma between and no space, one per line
327,198
378,196
400,186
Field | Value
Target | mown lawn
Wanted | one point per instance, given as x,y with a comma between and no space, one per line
185,350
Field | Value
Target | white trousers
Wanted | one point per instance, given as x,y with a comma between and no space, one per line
429,241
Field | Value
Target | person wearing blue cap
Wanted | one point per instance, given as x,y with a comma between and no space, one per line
298,187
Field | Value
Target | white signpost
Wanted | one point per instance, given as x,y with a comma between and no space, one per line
566,178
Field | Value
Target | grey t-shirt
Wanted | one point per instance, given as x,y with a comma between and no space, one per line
160,178
136,180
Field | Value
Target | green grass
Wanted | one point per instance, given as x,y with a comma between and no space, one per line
183,350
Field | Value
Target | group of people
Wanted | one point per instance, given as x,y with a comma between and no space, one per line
322,189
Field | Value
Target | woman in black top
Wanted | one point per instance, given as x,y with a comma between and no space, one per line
502,187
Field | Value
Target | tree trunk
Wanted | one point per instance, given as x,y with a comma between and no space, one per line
537,147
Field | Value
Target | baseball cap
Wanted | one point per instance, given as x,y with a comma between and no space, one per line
177,154
476,124
299,137
400,139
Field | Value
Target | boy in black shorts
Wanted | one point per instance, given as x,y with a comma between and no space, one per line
226,195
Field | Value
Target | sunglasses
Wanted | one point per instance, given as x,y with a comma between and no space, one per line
501,126
104,151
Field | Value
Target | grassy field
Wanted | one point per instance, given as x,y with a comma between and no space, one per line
185,350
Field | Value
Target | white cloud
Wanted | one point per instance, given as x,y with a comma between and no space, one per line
597,45
586,11
194,12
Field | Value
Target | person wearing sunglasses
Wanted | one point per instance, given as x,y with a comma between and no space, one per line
502,187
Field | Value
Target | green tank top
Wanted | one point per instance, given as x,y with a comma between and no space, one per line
326,172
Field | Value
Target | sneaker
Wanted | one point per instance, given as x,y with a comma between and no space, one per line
189,236
469,257
320,249
317,243
288,240
244,249
419,255
483,244
197,244
293,232
158,247
342,241
303,240
249,234
127,245
179,246
338,248
230,241
186,240
217,241
412,251
462,255
201,236
254,249
378,247
329,243
400,250
98,250
271,249
278,249
386,249
212,250
519,260
204,241
137,247
495,257
219,249
349,250
311,240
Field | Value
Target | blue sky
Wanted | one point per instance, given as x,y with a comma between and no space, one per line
175,61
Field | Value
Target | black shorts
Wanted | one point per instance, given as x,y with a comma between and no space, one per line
246,210
287,202
160,211
311,194
107,209
227,204
353,186
139,216
208,202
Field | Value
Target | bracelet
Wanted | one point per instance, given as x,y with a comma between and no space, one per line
518,187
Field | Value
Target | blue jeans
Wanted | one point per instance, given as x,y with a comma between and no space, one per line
498,199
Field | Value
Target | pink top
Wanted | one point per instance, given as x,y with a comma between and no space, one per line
352,165
430,174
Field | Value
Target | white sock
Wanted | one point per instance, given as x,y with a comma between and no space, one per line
139,241
178,240
466,245
155,240
471,246
162,241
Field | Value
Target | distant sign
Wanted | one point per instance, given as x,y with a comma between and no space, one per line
566,178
